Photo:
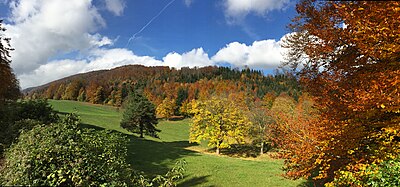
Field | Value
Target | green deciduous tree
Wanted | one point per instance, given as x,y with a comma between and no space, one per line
219,122
140,116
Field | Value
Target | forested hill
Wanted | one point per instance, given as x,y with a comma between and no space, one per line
158,83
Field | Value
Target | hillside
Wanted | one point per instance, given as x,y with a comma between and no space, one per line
112,86
156,156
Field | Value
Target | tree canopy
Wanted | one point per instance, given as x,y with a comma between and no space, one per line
140,116
219,121
350,54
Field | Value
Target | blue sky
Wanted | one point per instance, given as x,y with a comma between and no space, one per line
57,38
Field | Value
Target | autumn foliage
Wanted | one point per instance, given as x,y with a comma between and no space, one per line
9,85
350,57
219,121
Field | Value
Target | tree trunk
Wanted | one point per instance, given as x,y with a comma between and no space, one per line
262,148
218,145
141,131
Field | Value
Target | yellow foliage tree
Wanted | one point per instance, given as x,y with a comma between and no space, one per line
219,121
166,109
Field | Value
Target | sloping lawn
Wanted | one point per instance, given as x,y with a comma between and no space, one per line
156,156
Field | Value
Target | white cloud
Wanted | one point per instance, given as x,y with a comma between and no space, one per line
261,54
238,9
111,58
195,57
51,71
42,29
115,6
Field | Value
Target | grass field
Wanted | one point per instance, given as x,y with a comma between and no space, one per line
156,156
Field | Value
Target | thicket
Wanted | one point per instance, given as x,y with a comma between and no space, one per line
22,115
63,154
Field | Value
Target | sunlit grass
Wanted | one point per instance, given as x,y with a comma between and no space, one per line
156,156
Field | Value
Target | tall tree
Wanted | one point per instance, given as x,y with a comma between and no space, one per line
219,122
72,90
140,116
9,85
351,57
261,122
182,95
99,95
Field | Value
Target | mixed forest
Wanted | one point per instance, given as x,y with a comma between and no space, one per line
334,117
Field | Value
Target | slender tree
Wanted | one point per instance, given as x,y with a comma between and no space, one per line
9,85
140,116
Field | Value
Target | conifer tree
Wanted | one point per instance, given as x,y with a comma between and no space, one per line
140,116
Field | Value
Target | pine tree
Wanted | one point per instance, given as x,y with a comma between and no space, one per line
140,116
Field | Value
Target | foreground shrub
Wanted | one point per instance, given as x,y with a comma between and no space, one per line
385,174
62,154
22,115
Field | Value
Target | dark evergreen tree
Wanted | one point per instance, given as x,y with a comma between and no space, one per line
140,116
182,95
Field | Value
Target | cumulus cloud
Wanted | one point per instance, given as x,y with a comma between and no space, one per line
193,58
41,29
238,9
260,54
115,6
51,71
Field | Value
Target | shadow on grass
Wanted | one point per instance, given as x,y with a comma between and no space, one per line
194,181
308,183
243,150
155,157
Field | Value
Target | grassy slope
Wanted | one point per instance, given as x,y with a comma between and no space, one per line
156,156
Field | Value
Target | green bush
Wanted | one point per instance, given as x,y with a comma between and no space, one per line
384,174
63,154
39,110
22,115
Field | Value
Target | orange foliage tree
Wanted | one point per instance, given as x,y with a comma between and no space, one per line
350,56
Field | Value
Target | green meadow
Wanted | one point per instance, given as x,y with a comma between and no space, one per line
156,156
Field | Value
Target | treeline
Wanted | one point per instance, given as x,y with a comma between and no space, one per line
159,83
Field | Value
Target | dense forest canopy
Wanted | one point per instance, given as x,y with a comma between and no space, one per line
112,86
